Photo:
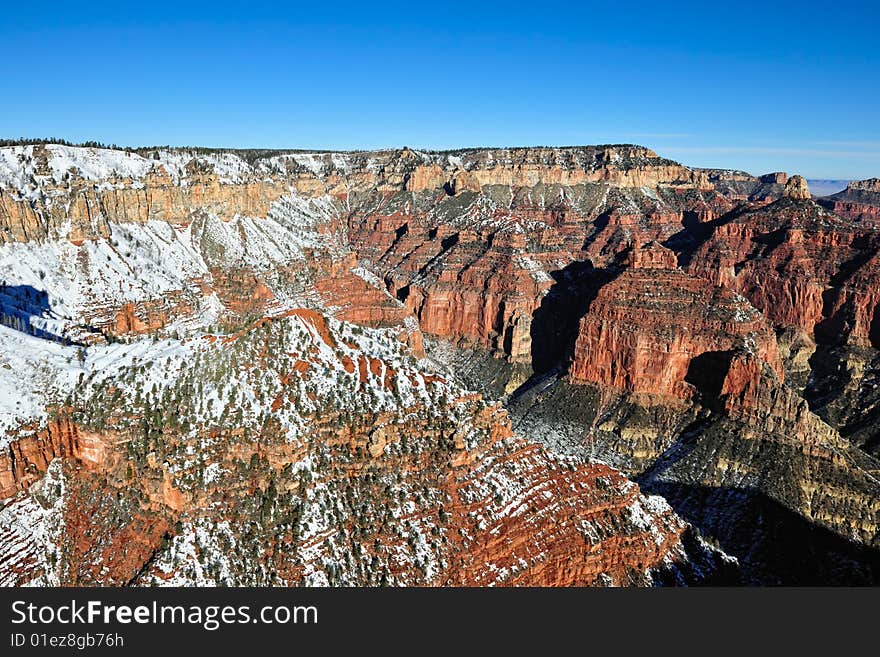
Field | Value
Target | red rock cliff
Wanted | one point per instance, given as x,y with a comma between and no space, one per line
646,327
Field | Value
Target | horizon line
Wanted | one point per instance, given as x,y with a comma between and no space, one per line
90,143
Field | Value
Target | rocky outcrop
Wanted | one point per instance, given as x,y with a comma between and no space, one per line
30,451
556,194
358,296
506,552
749,465
777,178
83,211
742,186
652,256
826,479
145,316
26,458
481,279
240,290
866,213
655,329
796,188
869,186
622,166
801,265
143,190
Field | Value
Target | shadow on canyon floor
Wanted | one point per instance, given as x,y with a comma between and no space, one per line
844,396
774,545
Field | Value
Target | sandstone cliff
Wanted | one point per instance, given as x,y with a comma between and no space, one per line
860,201
742,186
654,327
799,264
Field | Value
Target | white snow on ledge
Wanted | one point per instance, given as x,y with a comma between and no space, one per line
21,171
31,371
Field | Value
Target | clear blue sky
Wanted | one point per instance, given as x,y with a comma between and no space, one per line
758,86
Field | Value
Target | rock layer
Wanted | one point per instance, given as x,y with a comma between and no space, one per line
655,329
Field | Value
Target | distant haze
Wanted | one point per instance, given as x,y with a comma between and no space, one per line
827,187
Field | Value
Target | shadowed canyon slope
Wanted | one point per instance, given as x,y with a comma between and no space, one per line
549,366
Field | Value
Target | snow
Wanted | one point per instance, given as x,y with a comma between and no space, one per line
52,287
197,546
32,371
534,268
369,277
18,165
121,365
137,263
228,167
29,530
107,167
312,162
142,262
340,162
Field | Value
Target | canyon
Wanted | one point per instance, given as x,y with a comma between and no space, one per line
525,366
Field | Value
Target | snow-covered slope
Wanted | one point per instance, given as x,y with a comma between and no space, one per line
79,284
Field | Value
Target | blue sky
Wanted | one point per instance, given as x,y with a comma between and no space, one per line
759,86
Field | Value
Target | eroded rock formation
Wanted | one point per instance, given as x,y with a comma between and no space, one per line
656,329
